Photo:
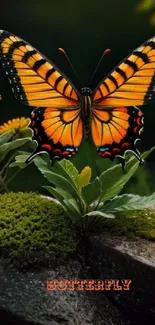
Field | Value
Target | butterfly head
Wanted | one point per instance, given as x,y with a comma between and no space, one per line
86,91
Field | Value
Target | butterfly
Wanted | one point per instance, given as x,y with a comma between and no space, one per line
65,115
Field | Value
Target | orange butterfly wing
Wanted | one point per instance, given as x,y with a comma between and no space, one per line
116,130
35,81
132,82
115,125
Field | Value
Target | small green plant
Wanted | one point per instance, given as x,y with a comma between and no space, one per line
13,136
86,202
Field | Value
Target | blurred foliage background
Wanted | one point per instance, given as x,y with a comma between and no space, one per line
84,29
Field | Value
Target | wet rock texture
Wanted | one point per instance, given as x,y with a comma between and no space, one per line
24,299
116,257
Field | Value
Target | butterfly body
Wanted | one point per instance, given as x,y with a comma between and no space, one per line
64,114
86,108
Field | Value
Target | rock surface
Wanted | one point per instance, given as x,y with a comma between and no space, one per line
24,299
116,257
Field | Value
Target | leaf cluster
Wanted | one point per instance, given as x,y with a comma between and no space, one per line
10,143
89,202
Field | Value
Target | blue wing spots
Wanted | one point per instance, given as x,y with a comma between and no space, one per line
71,149
102,149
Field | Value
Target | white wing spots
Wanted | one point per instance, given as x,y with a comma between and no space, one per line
150,96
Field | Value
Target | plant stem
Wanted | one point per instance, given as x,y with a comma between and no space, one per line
4,187
7,164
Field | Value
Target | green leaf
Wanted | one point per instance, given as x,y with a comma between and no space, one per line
41,163
20,160
63,194
5,137
93,221
129,202
68,170
114,179
57,180
60,181
69,204
25,133
92,191
7,147
55,192
73,210
100,213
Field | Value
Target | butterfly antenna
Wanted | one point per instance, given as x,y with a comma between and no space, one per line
107,51
61,50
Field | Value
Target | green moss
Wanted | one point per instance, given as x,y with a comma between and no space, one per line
33,230
133,223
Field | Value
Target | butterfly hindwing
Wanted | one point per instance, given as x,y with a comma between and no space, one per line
58,132
115,131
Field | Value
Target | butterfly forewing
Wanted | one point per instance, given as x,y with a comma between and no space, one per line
35,81
132,82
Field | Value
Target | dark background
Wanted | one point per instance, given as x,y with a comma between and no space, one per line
84,29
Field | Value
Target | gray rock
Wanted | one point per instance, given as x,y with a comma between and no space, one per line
25,298
116,257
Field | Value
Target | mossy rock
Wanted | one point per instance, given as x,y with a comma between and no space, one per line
34,230
139,223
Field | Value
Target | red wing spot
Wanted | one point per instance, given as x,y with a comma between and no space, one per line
136,129
57,151
140,114
66,153
32,123
125,144
35,130
106,154
139,121
46,146
116,150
